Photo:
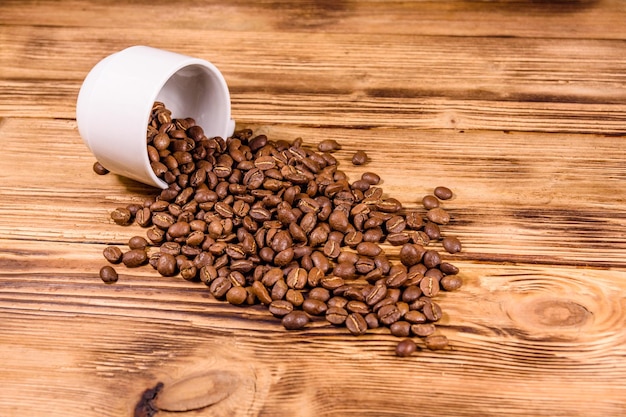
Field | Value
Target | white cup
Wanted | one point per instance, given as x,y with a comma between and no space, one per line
115,100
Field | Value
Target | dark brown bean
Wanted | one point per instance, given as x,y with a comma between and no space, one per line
113,254
436,342
356,324
359,157
295,320
405,348
443,193
451,244
328,145
314,307
108,274
336,315
280,308
121,216
135,258
99,169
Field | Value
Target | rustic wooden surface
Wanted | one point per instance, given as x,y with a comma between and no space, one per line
518,106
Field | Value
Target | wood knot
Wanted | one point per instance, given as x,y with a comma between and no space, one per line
557,313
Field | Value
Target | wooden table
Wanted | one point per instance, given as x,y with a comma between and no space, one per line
518,106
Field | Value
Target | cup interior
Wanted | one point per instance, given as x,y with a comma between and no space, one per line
195,91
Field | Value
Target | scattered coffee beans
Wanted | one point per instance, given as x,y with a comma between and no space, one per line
278,224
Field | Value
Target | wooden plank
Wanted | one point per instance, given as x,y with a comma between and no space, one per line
323,79
558,200
509,18
551,333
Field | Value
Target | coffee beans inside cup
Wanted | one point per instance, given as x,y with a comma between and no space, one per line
278,224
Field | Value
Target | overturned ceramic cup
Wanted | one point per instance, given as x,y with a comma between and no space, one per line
116,98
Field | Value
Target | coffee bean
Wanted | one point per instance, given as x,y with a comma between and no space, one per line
359,157
448,268
113,254
99,169
429,286
411,254
121,216
423,329
295,297
108,274
295,320
432,311
137,242
389,314
438,215
430,202
405,348
370,177
328,145
443,193
314,307
280,308
236,295
135,258
368,249
451,282
436,342
451,244
400,328
166,265
336,315
356,324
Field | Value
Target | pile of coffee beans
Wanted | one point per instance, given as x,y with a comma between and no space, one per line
278,224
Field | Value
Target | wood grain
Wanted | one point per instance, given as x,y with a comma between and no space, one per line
518,106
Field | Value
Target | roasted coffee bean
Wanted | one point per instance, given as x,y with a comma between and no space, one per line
166,265
360,307
236,295
371,178
431,258
344,270
430,202
400,328
328,145
295,320
121,216
220,286
99,169
436,342
429,286
432,231
443,193
359,157
356,324
314,307
113,254
295,297
108,274
451,282
319,293
438,215
451,244
405,348
135,258
279,289
423,329
368,249
137,242
280,308
261,292
331,282
336,315
297,278
432,311
389,314
411,254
